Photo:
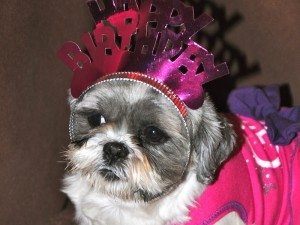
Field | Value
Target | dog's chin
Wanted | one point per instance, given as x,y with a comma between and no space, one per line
107,182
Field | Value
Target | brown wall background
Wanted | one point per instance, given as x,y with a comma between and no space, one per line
33,109
33,86
269,35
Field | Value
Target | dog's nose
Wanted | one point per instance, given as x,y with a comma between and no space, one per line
114,151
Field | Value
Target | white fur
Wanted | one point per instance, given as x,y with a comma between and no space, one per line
95,208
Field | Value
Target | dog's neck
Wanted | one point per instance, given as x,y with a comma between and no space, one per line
169,209
174,208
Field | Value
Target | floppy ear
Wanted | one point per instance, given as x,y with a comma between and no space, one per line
213,140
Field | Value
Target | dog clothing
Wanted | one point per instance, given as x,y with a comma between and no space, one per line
261,180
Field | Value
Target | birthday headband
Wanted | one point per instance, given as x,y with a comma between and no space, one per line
148,41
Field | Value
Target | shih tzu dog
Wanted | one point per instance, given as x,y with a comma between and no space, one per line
135,160
148,147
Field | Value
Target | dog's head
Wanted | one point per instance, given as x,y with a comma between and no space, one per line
132,142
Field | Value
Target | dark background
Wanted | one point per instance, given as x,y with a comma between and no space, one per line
259,39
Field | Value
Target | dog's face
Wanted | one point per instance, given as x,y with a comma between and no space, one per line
132,143
129,139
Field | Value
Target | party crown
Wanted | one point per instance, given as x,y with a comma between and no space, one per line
151,37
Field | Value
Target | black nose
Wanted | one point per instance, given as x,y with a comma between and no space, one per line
114,151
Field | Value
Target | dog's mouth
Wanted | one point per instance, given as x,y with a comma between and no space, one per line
109,175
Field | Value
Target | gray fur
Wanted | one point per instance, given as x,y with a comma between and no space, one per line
213,140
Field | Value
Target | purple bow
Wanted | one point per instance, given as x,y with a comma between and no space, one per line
264,104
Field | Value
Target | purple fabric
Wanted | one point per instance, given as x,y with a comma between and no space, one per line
264,104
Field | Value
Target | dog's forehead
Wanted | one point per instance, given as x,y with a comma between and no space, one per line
122,96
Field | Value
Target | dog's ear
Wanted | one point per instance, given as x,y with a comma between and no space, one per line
213,140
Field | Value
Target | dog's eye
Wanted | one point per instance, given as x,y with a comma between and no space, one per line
153,135
96,120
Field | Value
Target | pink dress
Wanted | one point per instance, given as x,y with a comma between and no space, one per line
261,181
